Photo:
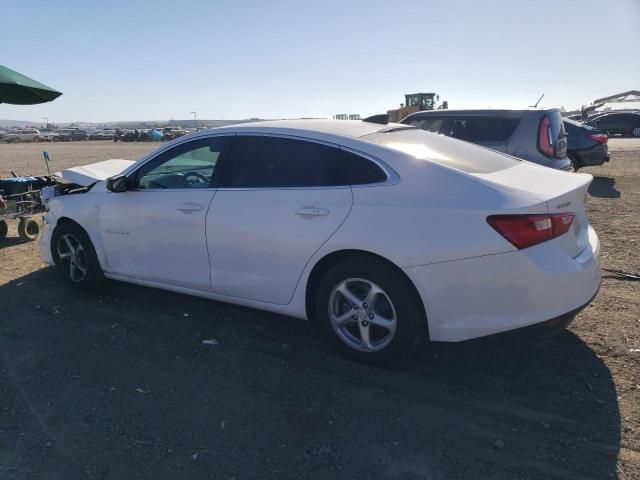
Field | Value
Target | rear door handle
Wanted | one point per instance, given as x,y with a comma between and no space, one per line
190,207
310,212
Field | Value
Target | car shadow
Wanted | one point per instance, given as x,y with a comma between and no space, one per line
603,187
177,387
10,242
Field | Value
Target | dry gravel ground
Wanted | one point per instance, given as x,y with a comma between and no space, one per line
119,384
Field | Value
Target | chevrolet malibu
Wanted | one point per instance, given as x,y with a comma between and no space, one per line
384,235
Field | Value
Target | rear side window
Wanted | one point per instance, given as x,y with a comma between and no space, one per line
483,129
427,124
264,162
362,171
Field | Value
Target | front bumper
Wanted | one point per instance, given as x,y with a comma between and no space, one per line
482,296
45,241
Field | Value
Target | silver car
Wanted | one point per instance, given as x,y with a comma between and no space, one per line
536,135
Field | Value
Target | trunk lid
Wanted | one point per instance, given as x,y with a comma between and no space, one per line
556,191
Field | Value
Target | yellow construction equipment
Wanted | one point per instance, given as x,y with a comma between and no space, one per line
415,102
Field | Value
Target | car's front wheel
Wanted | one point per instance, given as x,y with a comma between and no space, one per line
75,258
635,131
369,310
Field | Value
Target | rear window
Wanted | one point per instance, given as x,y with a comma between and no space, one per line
483,129
572,127
439,149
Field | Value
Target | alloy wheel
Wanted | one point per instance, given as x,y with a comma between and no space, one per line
635,132
73,258
362,315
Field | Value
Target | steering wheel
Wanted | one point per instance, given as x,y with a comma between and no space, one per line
196,179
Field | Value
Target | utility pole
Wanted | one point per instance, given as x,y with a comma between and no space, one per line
195,120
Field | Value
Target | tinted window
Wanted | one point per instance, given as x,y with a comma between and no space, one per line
482,129
262,162
427,124
189,165
362,171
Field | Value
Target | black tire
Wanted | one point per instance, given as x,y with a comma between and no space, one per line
4,229
410,324
86,258
575,163
635,131
28,229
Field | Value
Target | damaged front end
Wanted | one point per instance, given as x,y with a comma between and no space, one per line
82,179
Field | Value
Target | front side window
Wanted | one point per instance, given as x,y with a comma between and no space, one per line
272,162
189,165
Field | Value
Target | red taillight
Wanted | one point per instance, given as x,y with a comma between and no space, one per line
600,137
526,230
545,136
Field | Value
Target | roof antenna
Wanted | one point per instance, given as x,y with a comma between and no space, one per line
536,105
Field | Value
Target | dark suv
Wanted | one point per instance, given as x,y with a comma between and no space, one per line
534,135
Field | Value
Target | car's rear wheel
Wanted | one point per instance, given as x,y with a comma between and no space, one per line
635,131
369,310
75,258
575,164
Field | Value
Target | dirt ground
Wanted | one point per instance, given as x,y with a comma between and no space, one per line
119,384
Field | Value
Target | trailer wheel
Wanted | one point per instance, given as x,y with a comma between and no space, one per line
3,230
28,229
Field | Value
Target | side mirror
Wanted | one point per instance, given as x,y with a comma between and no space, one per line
117,184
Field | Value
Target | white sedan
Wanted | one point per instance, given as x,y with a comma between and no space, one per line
382,234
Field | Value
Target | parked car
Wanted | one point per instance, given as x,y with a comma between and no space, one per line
106,134
24,135
382,234
48,136
618,123
534,135
586,145
71,135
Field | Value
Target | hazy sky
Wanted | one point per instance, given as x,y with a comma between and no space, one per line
126,60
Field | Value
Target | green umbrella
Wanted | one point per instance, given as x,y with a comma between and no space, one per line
18,89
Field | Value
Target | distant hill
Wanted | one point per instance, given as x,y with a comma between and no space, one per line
132,124
19,123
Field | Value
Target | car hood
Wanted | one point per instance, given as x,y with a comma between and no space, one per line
86,175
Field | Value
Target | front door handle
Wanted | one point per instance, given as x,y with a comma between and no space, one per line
310,212
190,207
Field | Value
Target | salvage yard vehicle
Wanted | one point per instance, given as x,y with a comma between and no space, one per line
71,135
384,235
536,135
586,145
23,135
618,123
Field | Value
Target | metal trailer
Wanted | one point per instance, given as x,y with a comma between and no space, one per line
22,203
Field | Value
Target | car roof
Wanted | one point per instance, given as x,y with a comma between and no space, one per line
308,128
488,112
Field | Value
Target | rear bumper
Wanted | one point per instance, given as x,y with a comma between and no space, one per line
596,155
543,329
482,296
